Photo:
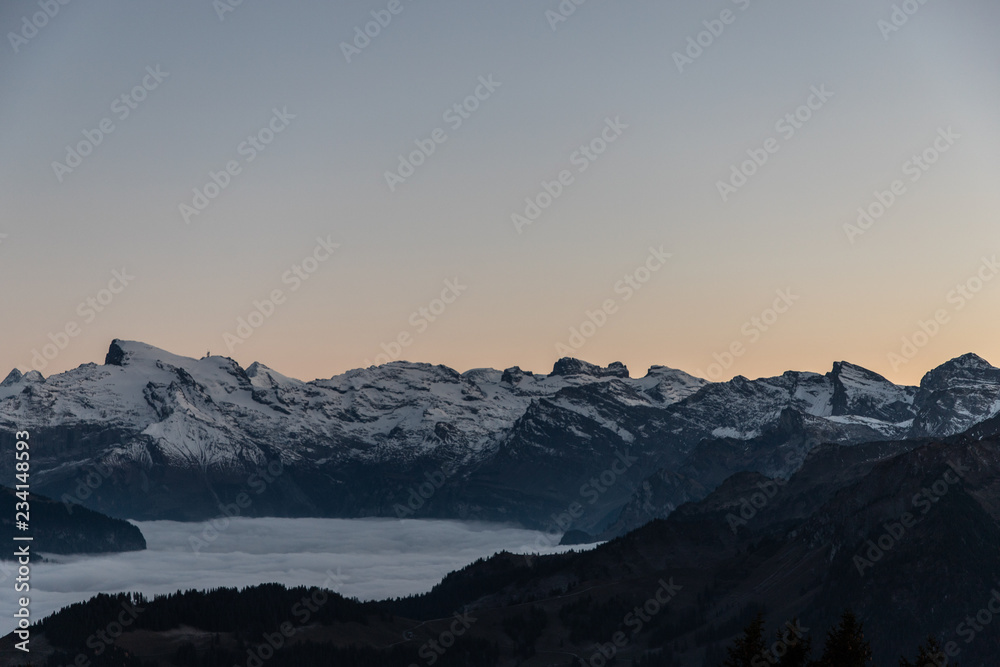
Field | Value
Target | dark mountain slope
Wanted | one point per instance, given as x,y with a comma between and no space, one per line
56,529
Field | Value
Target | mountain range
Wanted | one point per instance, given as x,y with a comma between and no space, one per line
904,533
153,435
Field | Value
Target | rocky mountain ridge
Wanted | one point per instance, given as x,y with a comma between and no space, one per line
174,437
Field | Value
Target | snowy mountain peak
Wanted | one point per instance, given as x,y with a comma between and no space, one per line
116,355
127,352
569,366
514,374
847,373
669,385
16,381
262,376
968,369
350,442
406,372
863,393
12,378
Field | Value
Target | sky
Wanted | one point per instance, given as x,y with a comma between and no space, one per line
734,187
368,559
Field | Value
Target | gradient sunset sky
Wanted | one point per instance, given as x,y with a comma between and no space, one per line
608,71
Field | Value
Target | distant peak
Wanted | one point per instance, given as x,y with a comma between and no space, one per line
260,374
33,376
841,366
122,351
742,383
569,366
966,367
116,354
513,375
969,360
127,352
657,370
674,374
12,378
842,369
404,369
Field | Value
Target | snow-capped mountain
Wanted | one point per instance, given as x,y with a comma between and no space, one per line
150,434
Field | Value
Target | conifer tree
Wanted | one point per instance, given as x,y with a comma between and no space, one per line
749,646
798,647
928,655
846,645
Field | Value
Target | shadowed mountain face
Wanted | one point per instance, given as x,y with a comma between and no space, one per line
152,435
56,529
906,534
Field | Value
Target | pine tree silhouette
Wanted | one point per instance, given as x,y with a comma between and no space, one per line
928,654
798,648
846,645
749,646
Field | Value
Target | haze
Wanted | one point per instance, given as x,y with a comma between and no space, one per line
260,107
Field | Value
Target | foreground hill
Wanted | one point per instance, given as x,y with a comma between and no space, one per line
57,529
906,533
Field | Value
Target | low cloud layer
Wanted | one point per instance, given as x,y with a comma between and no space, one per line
371,558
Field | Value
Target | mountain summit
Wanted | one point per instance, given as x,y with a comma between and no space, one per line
175,436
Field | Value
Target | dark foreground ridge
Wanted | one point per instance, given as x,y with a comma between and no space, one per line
58,529
906,534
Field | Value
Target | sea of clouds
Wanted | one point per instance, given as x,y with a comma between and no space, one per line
370,558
